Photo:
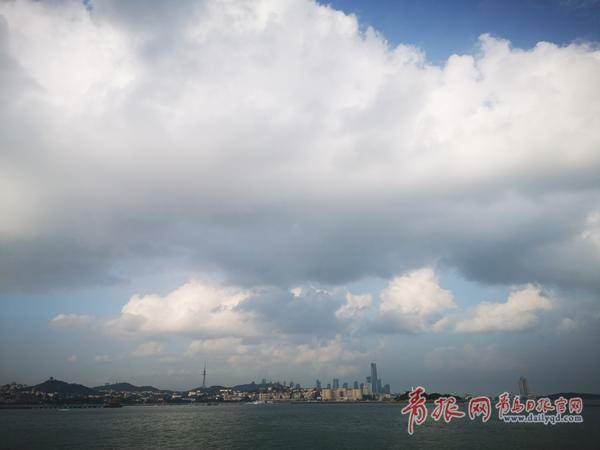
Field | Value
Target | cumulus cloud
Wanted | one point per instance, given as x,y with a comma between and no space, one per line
71,320
416,293
197,308
415,302
356,306
519,312
280,143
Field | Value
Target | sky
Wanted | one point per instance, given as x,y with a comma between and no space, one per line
291,190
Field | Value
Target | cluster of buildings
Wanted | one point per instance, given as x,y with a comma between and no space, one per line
373,389
55,392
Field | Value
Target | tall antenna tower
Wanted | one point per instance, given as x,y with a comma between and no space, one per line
204,376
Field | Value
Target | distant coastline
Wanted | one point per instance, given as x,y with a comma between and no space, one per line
56,394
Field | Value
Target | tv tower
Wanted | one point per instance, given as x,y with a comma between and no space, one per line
204,376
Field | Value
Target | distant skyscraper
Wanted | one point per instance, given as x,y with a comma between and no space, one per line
524,387
318,384
387,389
379,388
291,384
328,385
374,378
356,385
345,385
204,376
263,381
336,383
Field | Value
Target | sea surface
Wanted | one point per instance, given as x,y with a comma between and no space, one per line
277,426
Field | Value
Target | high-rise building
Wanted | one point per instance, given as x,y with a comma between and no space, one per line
318,384
204,376
387,389
345,385
336,383
379,388
524,387
356,385
328,385
374,378
366,389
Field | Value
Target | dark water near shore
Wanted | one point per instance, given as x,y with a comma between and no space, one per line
277,426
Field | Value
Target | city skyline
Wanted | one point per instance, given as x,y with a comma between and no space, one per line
301,188
366,387
522,388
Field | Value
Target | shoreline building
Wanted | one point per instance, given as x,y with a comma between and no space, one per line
374,380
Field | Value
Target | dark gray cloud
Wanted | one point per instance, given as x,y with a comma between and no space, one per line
312,312
266,151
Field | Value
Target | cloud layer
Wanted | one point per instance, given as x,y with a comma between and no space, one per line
278,155
308,327
278,143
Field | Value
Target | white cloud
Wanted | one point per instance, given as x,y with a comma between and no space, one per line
289,100
519,312
150,348
71,320
356,306
415,302
416,293
196,308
